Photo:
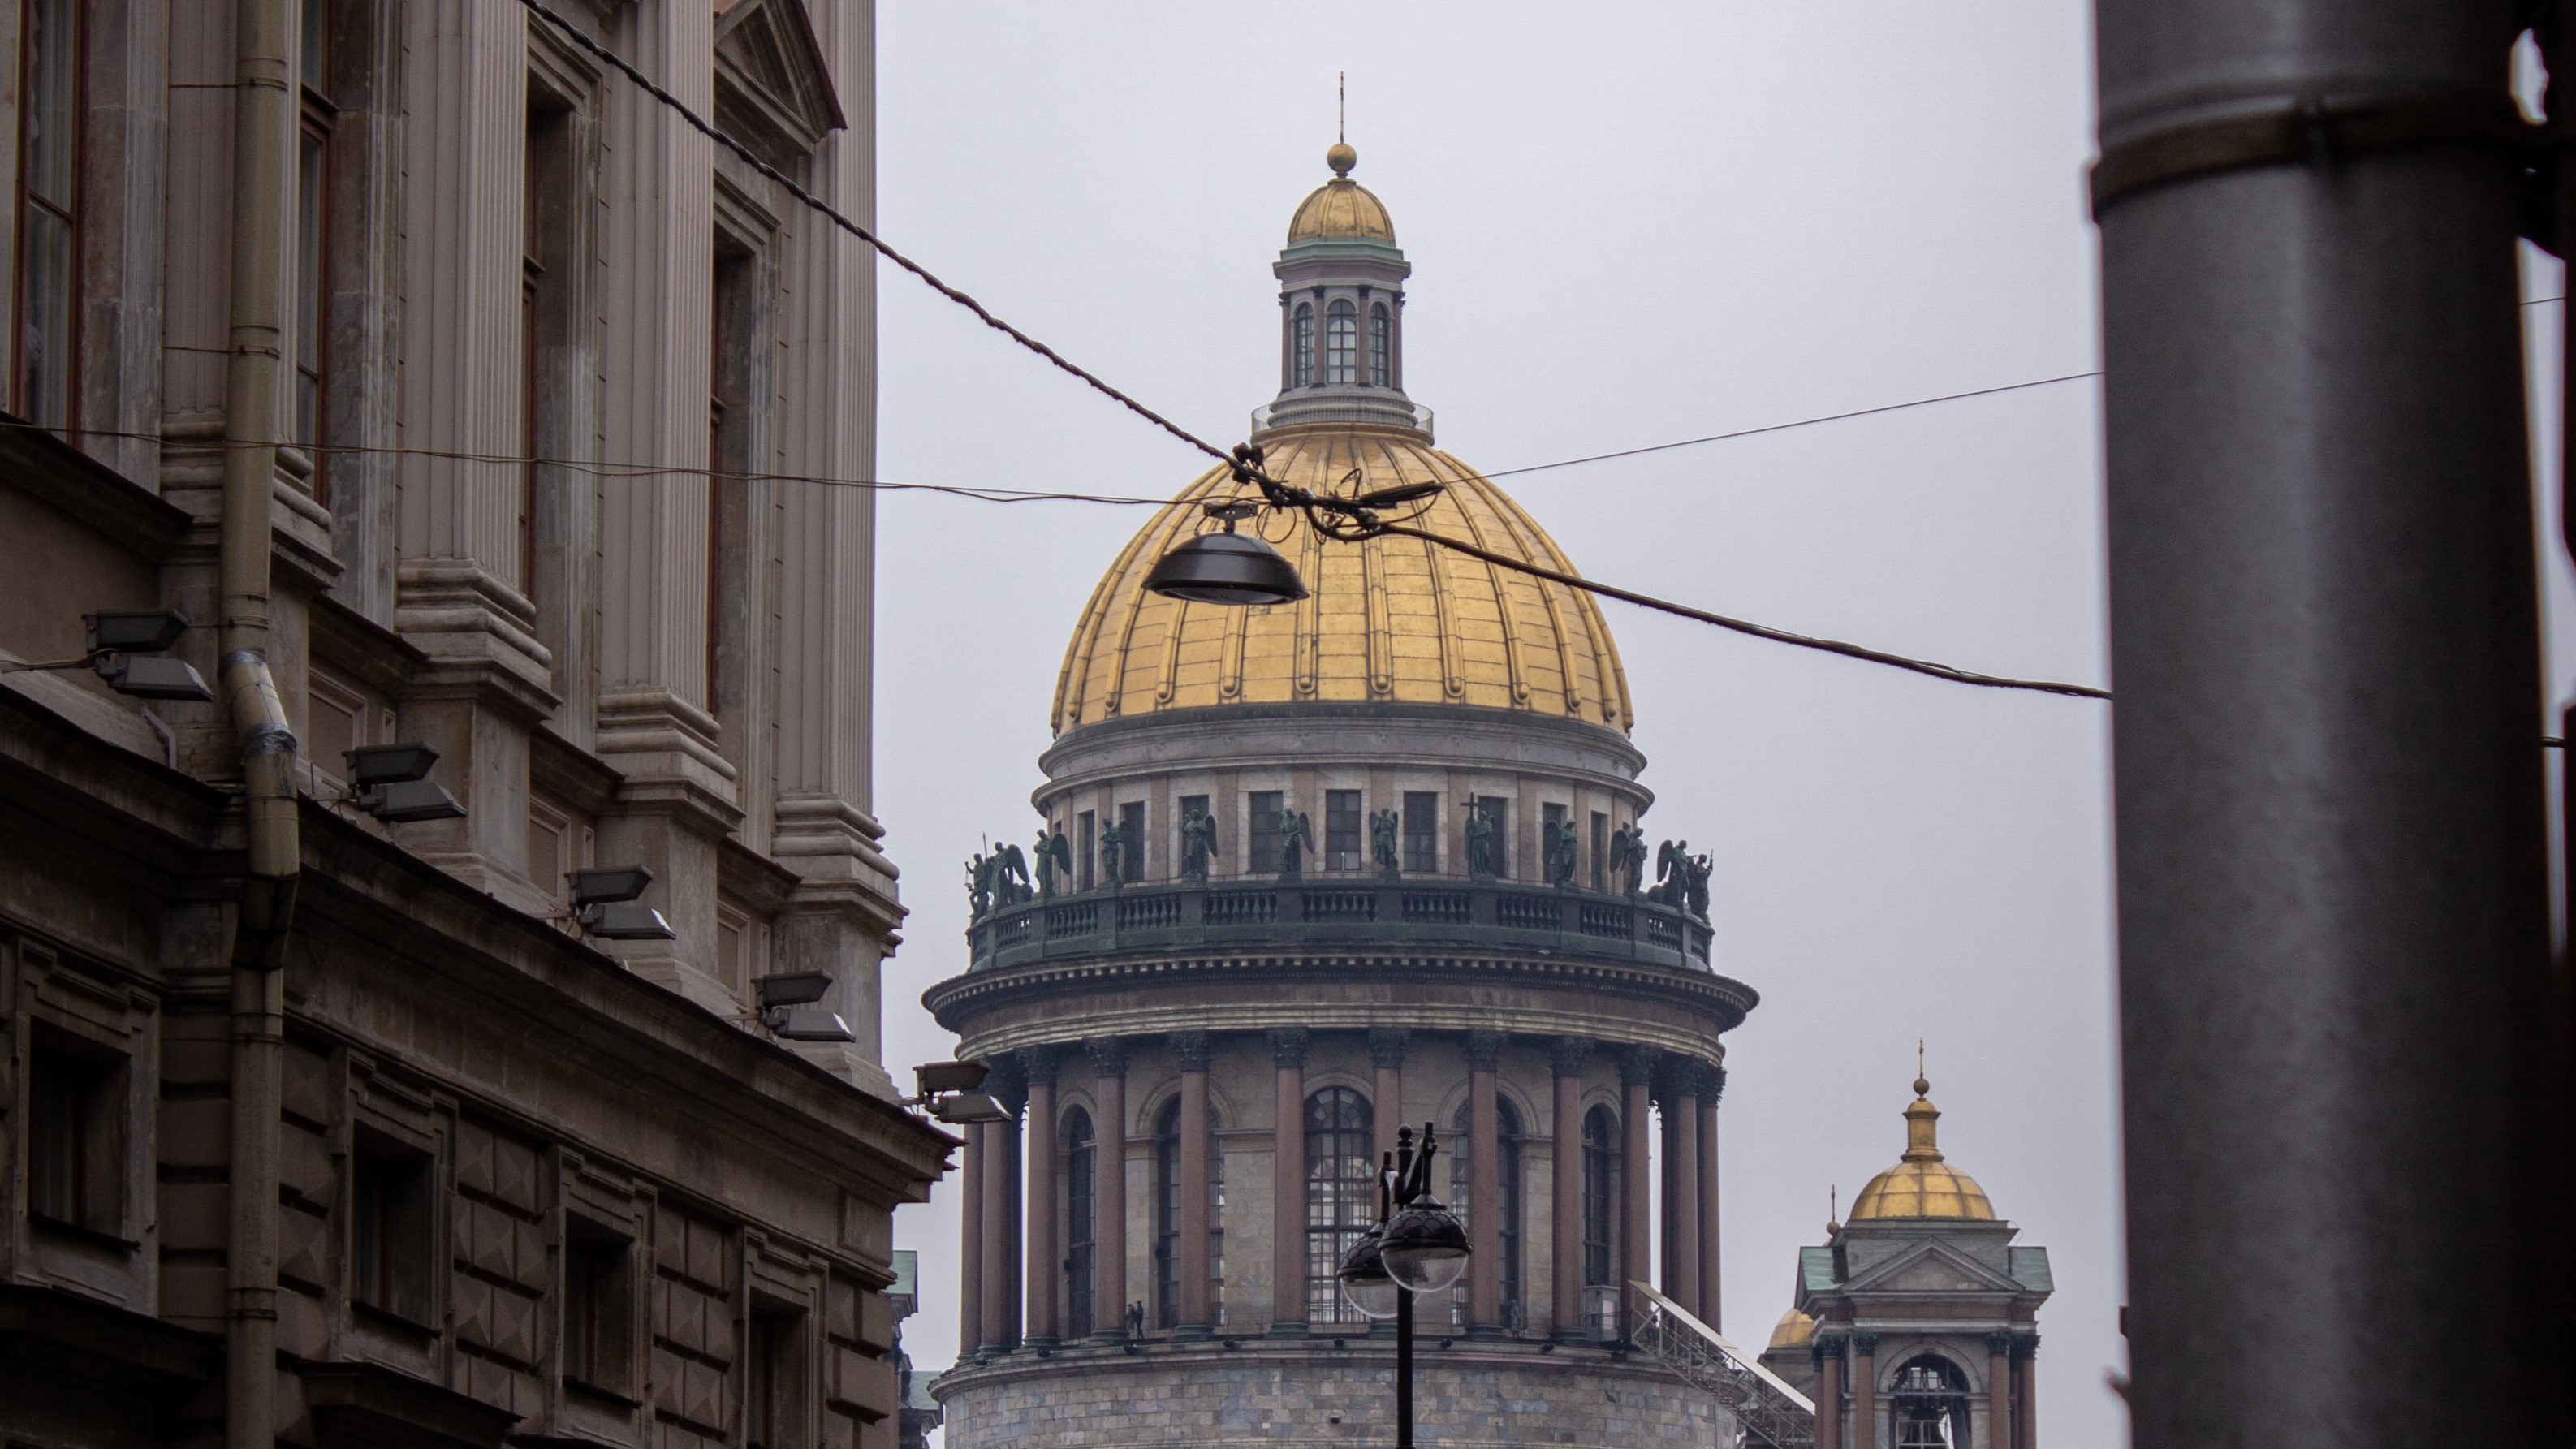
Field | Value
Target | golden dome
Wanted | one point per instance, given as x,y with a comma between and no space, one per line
1392,620
1795,1330
1341,209
1922,1185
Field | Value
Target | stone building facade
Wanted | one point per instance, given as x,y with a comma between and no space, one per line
1309,873
447,384
1915,1324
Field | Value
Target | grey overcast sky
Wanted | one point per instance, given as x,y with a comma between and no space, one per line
1629,223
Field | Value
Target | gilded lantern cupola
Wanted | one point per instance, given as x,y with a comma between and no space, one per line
1341,311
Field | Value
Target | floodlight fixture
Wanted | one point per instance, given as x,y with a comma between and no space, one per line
624,921
792,1023
135,631
967,1108
795,988
933,1078
601,885
146,677
407,802
390,764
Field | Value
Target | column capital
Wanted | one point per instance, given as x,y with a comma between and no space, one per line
1567,1055
1676,1076
2025,1346
1827,1348
1386,1046
1865,1344
1999,1345
1009,1085
1708,1080
1038,1064
1288,1046
1195,1048
1637,1065
1108,1055
1484,1050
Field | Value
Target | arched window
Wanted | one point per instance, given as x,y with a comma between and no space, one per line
1507,1182
1081,1184
1341,1195
1167,1218
1301,347
1930,1402
1600,1172
1381,345
1342,343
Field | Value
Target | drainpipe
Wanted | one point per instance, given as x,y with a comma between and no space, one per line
263,132
2333,894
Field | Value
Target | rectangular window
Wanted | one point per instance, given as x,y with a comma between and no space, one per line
598,1308
76,1138
1421,832
1600,851
730,455
1498,812
1342,827
1554,826
312,192
390,1188
49,158
1086,847
774,1387
1266,809
1131,836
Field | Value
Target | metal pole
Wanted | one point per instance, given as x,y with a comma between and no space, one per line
1403,1369
2333,907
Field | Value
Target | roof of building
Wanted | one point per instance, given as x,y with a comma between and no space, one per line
1794,1330
1390,619
1341,209
1922,1185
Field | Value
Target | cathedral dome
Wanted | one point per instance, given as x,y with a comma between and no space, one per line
1795,1330
1922,1185
1393,620
1341,209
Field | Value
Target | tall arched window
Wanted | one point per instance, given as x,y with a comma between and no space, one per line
1342,343
1507,1183
1167,1217
1600,1172
1341,1195
1930,1404
1081,1184
1381,345
1301,347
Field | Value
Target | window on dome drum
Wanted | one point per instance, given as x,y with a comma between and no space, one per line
1131,832
1342,343
1381,337
49,221
1600,1174
1086,846
1266,808
1507,1183
1549,815
1421,832
1930,1405
1499,810
1081,1183
1167,1217
1600,851
1341,1195
1341,830
1301,347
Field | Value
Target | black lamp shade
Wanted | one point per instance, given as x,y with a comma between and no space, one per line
1226,568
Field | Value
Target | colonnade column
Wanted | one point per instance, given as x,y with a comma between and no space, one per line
1712,1084
999,1200
1109,1188
1681,1178
1043,1250
1636,1208
1386,1109
1864,1390
1484,1051
1565,1224
970,1245
1194,1049
1999,1395
1288,1182
2026,1391
1829,1392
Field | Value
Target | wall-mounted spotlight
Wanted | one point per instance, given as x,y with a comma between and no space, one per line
389,782
785,1007
603,905
949,1090
119,640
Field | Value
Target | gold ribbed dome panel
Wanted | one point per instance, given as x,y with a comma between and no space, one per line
1922,1185
1394,620
1794,1330
1341,210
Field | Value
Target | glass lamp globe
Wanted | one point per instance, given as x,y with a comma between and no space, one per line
1425,1247
1366,1285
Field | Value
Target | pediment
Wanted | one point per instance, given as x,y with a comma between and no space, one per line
1930,1267
773,87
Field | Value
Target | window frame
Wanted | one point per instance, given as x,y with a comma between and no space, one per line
1263,812
1167,1216
1601,1148
1345,830
1341,342
68,211
1301,346
392,1240
1381,346
1421,832
598,1308
1340,1124
1080,1176
78,1097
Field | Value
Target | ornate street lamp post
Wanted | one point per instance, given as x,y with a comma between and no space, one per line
1417,1247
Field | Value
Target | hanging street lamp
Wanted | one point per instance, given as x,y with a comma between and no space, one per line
1417,1247
1226,568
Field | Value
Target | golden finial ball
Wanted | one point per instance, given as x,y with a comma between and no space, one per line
1341,158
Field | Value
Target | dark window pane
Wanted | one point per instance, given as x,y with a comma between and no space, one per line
1341,1195
1301,348
1086,847
1081,1201
1379,348
1342,829
1421,832
1341,343
1131,829
1266,808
